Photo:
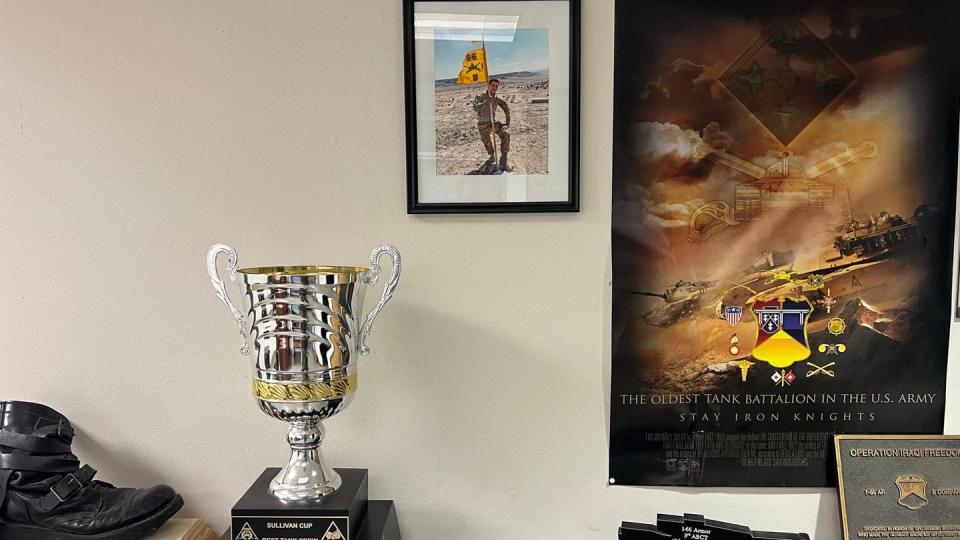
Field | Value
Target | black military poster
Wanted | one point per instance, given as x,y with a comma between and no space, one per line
783,210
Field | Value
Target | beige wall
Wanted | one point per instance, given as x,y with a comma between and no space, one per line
134,134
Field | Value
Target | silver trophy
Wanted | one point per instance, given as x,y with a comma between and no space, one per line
305,325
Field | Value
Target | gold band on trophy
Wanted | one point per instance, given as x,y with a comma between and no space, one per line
305,392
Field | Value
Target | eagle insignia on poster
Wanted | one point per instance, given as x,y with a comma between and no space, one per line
782,330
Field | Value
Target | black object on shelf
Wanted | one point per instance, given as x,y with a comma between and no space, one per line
346,514
695,527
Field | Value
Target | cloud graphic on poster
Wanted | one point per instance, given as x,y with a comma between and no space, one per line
667,215
716,137
663,150
674,208
656,140
681,74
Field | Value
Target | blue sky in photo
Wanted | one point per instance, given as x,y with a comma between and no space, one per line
529,51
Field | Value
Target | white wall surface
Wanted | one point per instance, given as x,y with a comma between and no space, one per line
134,134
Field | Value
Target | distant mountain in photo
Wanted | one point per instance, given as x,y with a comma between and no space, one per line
505,77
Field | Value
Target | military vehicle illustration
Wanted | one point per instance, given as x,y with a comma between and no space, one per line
876,235
864,255
682,300
783,183
867,252
681,291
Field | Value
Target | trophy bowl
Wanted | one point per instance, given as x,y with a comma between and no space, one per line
303,327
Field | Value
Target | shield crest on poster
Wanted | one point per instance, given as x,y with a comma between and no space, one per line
782,330
733,314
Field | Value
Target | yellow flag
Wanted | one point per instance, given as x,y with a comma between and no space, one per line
474,68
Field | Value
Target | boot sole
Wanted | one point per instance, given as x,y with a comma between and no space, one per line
133,531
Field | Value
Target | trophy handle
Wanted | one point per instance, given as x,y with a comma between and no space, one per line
217,283
372,277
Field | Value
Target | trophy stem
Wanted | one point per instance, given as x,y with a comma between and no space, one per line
306,476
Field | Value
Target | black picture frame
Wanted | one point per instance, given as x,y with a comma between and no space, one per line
414,206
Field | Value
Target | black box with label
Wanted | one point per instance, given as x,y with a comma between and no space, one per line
260,516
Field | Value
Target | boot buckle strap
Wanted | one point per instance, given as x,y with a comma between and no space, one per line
70,483
68,486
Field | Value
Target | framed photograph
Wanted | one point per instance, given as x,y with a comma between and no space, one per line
492,102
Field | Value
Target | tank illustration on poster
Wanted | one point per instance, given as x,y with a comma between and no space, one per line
783,206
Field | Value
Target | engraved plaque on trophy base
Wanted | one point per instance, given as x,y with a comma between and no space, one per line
381,523
260,516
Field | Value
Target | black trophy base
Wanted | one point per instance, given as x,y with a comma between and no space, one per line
381,523
340,516
694,526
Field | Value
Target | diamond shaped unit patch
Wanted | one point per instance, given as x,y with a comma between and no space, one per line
787,78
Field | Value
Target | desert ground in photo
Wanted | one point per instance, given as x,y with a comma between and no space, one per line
459,149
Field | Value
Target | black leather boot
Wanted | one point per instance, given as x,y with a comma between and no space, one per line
46,494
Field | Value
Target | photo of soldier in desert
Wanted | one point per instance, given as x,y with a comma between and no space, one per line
492,103
490,130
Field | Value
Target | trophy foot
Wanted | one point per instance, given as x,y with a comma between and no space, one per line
306,476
